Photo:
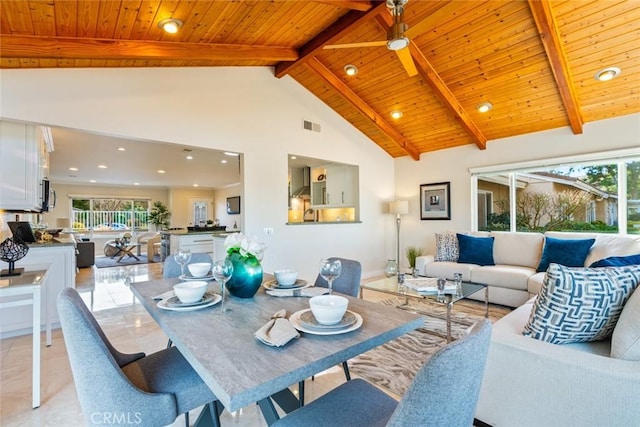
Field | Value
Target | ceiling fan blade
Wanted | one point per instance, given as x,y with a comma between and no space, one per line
360,44
404,55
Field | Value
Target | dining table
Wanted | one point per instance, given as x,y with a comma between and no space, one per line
240,369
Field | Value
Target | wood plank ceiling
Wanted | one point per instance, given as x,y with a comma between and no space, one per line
534,61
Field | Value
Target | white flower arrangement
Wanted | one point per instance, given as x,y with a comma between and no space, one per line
245,246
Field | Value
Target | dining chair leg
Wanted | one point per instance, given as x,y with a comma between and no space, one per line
301,393
186,419
345,366
169,343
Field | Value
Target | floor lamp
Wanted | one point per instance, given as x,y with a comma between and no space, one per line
398,207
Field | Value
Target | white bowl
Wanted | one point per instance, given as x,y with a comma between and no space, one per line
199,269
190,292
286,277
328,309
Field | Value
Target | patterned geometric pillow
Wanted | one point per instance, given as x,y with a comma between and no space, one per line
446,247
580,304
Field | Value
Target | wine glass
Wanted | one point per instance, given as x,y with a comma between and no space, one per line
330,270
182,257
222,272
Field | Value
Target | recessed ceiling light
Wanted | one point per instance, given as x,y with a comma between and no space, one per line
121,149
189,157
170,25
350,70
196,185
136,183
223,161
102,166
161,171
73,169
92,180
483,107
396,114
229,153
293,157
607,74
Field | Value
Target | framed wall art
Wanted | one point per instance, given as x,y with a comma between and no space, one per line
435,201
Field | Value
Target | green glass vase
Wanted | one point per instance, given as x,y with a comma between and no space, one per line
247,276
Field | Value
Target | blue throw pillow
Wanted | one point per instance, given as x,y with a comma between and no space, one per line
475,250
617,261
567,252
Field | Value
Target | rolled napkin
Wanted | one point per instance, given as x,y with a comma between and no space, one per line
304,292
278,331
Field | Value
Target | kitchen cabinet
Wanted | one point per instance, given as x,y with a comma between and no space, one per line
60,260
23,165
334,185
195,242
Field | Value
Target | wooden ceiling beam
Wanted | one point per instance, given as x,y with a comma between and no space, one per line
15,46
363,107
329,36
550,35
362,6
433,79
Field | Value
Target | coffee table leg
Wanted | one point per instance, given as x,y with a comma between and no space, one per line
486,302
449,322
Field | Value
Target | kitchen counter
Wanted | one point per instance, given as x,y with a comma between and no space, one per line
221,233
55,242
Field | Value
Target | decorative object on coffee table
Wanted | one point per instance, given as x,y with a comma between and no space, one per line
412,254
11,251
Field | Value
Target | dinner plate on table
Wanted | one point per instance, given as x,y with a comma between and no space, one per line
274,285
189,277
174,303
307,323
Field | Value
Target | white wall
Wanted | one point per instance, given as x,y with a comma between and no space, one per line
245,110
453,165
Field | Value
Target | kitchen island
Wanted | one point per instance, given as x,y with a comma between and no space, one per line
200,241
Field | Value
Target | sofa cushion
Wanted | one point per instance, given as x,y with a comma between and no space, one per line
475,250
503,276
625,342
617,261
446,269
608,245
517,248
580,304
567,252
534,283
446,247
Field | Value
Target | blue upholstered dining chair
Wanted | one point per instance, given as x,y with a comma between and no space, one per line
444,392
172,269
348,283
127,388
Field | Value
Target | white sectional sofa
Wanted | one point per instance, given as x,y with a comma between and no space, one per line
513,279
531,382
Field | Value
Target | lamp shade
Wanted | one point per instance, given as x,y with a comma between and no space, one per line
399,207
63,222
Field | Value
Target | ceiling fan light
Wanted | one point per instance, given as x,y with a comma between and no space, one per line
350,70
484,107
397,44
607,74
396,114
170,25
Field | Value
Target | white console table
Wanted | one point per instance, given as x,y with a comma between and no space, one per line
29,283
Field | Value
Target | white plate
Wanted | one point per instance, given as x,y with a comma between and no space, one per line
274,286
163,305
308,320
295,321
189,278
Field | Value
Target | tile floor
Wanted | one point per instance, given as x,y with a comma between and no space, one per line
129,328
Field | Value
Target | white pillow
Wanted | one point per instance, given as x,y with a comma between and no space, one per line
625,341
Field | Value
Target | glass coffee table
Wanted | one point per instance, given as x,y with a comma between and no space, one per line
390,286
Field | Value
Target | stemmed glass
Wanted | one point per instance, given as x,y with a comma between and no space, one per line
182,257
330,270
222,272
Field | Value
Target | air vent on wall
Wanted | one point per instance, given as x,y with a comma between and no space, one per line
307,125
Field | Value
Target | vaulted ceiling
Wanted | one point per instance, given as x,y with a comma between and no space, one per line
534,61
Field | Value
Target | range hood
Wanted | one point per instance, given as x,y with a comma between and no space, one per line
305,189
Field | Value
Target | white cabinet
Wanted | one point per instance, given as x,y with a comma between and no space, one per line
334,185
196,243
218,248
61,263
23,163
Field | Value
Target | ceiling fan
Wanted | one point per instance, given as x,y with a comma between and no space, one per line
396,40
